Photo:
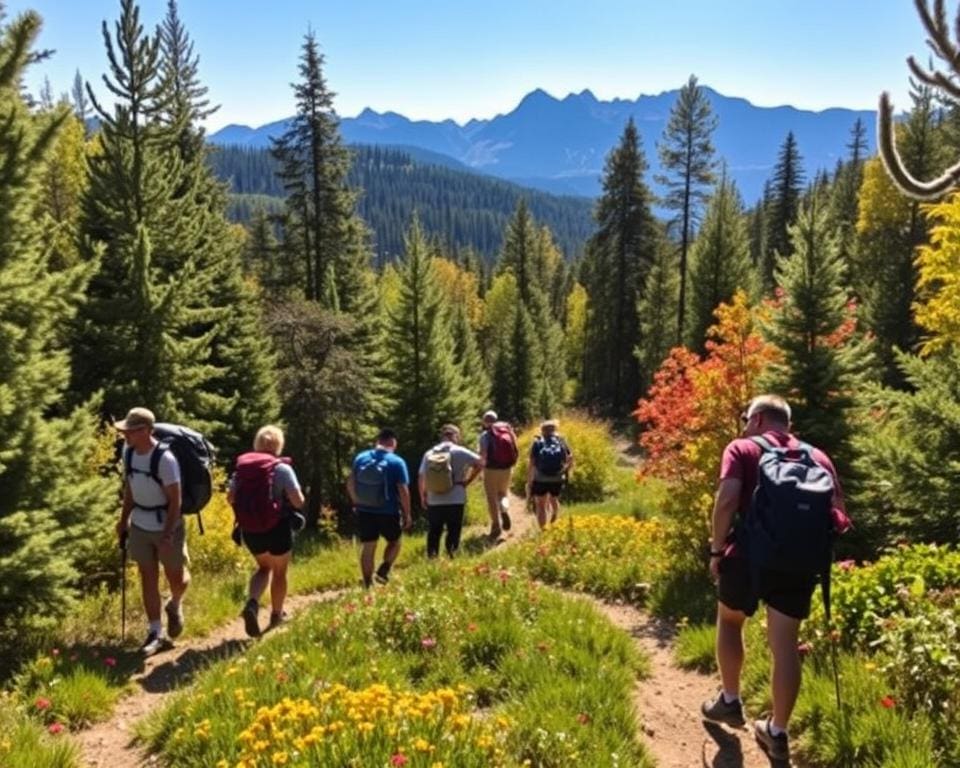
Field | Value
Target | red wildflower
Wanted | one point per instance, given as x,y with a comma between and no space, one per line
43,704
804,648
428,643
847,565
583,718
471,627
110,661
888,702
55,728
399,759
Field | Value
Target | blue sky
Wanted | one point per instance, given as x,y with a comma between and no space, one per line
434,60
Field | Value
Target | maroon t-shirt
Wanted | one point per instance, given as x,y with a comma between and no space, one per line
741,460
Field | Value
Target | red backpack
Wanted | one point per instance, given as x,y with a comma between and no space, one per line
254,505
501,447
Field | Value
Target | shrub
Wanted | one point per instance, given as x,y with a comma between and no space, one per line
214,551
595,459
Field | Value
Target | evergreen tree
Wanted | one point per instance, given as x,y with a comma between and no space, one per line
429,388
520,252
63,185
686,153
720,260
824,360
466,353
575,336
759,218
785,190
845,195
313,165
525,391
51,508
81,104
657,310
613,272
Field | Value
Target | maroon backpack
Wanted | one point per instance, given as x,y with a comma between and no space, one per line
254,504
501,447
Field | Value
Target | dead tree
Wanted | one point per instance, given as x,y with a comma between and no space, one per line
945,49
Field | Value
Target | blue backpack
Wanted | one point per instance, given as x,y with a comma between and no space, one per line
550,454
789,526
370,481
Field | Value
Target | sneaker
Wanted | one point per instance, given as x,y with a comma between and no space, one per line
504,517
495,535
249,615
383,574
174,619
276,619
720,711
776,747
154,643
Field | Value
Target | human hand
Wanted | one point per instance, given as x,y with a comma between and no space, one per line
407,523
715,567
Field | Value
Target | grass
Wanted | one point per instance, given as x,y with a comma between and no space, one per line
695,648
551,675
24,743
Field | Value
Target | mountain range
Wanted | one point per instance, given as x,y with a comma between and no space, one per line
559,145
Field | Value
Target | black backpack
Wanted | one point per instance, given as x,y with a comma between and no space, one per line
549,455
789,526
194,454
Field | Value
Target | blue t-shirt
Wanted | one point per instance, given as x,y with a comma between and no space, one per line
394,472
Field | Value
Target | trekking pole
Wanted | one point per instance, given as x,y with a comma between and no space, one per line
123,587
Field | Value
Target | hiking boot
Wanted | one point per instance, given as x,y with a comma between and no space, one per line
174,619
504,516
383,573
249,615
276,619
495,535
154,643
720,711
776,747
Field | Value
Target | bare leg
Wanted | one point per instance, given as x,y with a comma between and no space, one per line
150,590
730,647
540,502
391,551
367,552
782,634
554,507
261,576
278,583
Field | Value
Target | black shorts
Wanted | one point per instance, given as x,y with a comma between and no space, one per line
277,541
787,593
371,526
546,488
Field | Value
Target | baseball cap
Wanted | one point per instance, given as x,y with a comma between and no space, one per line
136,418
490,416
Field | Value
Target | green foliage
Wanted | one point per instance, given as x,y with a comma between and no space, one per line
657,312
592,477
908,460
613,271
824,363
695,647
50,502
686,154
539,666
781,210
462,209
720,262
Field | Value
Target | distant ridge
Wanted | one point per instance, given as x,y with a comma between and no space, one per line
559,145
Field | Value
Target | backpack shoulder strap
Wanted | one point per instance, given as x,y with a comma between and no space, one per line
128,461
764,444
158,450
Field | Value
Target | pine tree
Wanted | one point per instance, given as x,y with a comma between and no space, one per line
686,153
824,360
466,353
720,260
51,507
313,166
657,310
81,105
520,252
526,382
614,269
430,389
845,194
785,190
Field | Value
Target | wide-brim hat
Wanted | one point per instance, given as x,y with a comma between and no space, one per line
135,419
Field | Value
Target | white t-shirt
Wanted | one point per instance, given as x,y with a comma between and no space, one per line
146,491
461,459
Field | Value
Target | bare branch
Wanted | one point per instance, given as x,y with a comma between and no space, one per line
935,79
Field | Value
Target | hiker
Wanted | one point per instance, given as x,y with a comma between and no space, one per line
550,462
445,472
261,492
498,448
741,581
378,487
151,527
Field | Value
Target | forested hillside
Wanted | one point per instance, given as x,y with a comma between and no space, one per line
466,211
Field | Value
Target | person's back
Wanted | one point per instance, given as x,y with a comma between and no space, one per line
376,471
445,471
746,574
497,447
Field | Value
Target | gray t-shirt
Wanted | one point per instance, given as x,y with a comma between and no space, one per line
461,459
145,490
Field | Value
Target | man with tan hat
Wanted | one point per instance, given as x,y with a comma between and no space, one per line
550,461
150,525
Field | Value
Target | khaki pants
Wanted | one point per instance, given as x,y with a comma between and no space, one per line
144,547
496,483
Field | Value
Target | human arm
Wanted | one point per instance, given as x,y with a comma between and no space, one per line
403,493
352,488
172,518
724,508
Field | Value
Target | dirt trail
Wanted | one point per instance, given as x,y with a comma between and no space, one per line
110,744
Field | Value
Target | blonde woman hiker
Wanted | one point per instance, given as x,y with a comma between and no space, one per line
262,489
498,449
547,470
